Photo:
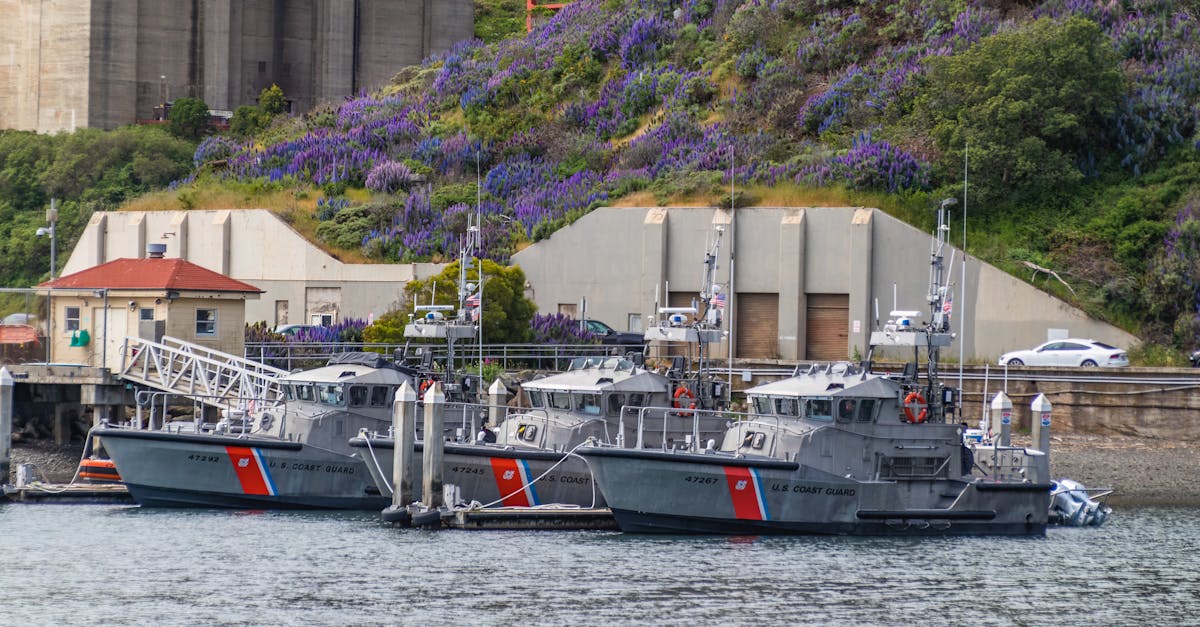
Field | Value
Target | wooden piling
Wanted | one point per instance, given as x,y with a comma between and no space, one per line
434,446
6,422
497,397
404,435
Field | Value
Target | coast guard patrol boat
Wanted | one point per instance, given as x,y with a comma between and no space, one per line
838,449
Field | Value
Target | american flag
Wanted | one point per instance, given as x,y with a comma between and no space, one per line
473,300
718,300
948,305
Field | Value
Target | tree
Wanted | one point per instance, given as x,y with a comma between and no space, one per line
188,117
506,311
1031,104
271,101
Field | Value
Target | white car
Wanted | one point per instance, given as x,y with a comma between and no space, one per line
1070,352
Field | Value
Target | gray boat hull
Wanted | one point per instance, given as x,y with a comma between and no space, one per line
657,492
495,475
201,470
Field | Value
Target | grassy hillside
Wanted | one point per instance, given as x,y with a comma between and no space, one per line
1076,121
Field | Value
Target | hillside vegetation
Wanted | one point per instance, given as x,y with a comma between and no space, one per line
1075,121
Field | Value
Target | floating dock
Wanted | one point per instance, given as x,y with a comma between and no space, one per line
76,493
532,518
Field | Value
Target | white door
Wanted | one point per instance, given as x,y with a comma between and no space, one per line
108,339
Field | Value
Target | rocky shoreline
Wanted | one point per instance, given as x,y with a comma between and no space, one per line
1140,471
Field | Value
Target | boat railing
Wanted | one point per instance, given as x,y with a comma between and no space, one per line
674,428
151,409
1010,463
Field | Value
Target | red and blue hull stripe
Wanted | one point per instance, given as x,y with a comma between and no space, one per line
746,493
513,479
251,470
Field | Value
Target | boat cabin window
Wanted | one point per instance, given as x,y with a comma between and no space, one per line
380,395
786,407
637,399
762,406
536,399
846,409
358,395
615,403
589,404
819,409
754,439
866,410
304,392
558,400
329,393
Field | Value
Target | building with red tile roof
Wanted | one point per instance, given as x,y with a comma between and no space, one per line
95,309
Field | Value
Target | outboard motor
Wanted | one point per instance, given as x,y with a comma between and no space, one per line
1071,506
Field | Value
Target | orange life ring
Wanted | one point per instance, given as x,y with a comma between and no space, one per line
682,392
915,397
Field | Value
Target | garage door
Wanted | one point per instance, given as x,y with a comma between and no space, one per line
828,336
757,325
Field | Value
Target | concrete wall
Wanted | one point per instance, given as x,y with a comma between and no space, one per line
254,246
105,63
614,257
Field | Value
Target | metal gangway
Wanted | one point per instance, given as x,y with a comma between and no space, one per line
209,376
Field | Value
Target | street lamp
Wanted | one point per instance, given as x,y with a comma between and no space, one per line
52,218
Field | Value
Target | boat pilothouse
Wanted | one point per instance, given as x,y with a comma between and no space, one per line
838,449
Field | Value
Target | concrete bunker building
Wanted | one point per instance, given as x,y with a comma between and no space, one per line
108,63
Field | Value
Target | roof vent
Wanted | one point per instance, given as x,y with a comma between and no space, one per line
156,251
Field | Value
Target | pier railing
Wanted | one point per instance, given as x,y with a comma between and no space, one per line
290,356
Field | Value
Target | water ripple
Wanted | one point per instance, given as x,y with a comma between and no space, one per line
122,565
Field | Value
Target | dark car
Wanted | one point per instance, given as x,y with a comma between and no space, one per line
609,335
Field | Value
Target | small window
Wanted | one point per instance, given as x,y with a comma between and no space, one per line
206,322
866,410
329,393
637,399
559,400
527,432
786,407
589,404
615,402
146,313
846,408
379,396
304,392
71,318
819,409
358,395
762,406
536,399
262,67
754,439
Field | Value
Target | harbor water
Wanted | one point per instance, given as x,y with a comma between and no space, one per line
92,564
